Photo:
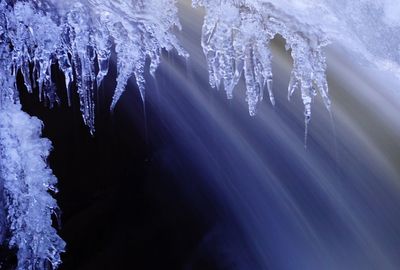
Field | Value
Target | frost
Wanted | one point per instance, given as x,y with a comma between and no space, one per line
26,179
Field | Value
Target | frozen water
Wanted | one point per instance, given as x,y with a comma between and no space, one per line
79,36
25,179
236,39
34,35
237,33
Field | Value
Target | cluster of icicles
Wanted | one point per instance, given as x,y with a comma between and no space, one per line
79,36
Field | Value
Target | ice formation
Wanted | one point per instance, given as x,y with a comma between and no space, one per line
79,36
236,37
25,179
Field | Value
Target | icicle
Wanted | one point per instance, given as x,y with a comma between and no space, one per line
271,93
236,32
103,49
141,33
79,36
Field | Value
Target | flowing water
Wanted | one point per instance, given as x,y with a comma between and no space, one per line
268,191
333,205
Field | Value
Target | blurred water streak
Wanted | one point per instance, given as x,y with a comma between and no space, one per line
334,205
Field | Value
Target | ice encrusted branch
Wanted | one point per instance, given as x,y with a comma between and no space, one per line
236,37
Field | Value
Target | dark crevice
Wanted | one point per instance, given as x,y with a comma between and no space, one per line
121,208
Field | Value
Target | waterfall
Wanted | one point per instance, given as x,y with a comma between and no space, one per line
337,197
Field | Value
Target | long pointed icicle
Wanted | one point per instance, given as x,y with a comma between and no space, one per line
236,40
79,37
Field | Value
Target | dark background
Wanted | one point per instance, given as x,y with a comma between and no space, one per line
119,206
